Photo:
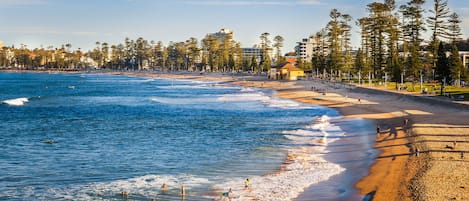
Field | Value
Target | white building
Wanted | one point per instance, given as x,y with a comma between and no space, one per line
304,49
307,47
465,58
249,52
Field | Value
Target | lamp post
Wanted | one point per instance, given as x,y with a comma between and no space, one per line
369,78
359,78
421,81
385,79
433,72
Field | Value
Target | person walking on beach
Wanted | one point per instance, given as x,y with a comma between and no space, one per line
378,129
416,152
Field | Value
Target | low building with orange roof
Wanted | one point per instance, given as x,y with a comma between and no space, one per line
286,71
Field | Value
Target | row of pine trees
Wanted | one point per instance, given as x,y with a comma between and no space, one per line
218,54
392,43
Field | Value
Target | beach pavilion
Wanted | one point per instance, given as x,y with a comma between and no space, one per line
286,71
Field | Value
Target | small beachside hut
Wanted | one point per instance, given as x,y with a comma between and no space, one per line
285,71
274,73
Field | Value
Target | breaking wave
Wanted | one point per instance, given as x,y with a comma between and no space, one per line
16,101
304,166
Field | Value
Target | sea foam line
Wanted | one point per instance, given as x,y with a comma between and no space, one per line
251,95
303,167
147,186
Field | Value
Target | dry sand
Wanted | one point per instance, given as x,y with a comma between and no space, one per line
438,173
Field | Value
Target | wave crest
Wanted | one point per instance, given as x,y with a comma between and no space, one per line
16,101
304,166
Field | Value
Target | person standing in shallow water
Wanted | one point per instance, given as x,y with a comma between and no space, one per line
183,191
377,129
247,183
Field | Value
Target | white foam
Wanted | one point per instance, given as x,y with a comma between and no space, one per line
286,104
264,99
140,80
146,186
179,86
244,97
323,125
305,166
183,101
16,101
247,89
320,132
196,85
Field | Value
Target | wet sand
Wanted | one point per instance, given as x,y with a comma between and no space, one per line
355,153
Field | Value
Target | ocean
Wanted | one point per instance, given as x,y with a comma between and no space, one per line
94,136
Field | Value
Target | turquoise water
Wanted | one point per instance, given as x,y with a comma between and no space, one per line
117,133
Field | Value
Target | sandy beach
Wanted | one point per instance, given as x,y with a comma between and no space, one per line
439,130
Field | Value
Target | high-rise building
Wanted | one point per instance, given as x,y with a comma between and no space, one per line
304,49
308,47
248,53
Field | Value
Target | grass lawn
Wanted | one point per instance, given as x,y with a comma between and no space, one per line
430,87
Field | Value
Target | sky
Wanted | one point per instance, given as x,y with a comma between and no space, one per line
81,23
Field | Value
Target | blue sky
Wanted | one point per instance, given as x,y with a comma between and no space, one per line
83,22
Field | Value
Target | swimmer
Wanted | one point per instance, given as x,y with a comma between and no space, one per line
49,142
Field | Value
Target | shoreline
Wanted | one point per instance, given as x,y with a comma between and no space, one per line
396,174
298,91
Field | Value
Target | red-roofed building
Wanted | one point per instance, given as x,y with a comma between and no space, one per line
291,60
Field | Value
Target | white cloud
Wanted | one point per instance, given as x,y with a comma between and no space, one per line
22,2
254,3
